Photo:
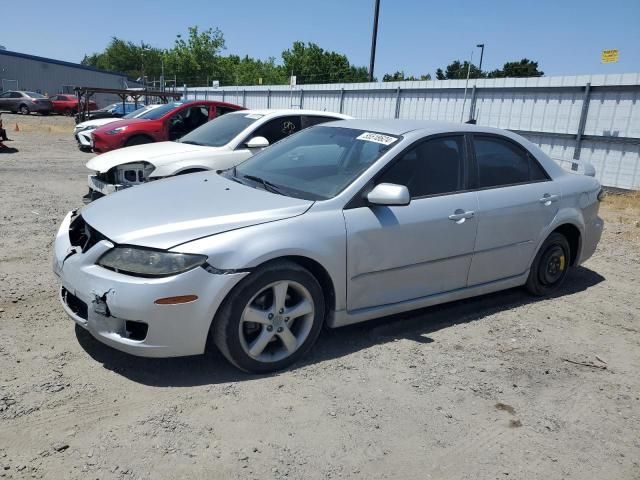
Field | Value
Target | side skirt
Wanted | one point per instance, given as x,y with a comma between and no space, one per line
345,317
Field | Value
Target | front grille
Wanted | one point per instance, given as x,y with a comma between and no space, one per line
83,235
76,305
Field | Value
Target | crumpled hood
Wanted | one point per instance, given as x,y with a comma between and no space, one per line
177,210
155,153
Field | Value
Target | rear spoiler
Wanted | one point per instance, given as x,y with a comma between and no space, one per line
577,166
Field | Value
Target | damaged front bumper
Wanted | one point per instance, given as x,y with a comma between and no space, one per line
119,310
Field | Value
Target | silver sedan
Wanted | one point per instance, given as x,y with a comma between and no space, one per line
338,224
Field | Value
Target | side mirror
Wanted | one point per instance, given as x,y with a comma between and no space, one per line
389,194
257,142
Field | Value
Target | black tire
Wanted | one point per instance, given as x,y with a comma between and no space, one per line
24,110
550,266
137,140
68,112
225,331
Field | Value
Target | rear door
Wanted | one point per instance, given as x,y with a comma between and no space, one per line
516,202
400,253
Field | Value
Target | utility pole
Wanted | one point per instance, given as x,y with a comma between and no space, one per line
374,39
481,46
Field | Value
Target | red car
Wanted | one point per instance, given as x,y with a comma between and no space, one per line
68,104
160,123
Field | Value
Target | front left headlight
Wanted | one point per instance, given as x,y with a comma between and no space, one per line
143,262
116,130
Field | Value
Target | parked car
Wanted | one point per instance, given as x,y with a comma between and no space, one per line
216,145
82,131
338,224
169,122
25,102
68,104
115,110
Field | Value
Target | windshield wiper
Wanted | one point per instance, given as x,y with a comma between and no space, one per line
265,183
190,142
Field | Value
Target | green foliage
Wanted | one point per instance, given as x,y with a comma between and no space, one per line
126,57
399,76
523,68
312,64
196,60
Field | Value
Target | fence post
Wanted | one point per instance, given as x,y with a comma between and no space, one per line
244,97
472,104
397,114
223,95
581,125
206,94
301,97
341,99
184,91
269,98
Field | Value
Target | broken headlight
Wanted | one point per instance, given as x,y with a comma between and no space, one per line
144,262
133,173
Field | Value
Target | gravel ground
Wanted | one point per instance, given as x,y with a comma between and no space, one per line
503,386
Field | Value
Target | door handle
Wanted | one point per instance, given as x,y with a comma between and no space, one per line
459,216
548,199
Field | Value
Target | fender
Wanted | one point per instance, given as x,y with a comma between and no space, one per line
566,215
323,240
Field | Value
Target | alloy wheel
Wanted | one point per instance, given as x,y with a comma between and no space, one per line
276,321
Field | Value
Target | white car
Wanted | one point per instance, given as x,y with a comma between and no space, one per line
82,131
216,145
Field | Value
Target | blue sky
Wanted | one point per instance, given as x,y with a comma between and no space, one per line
565,36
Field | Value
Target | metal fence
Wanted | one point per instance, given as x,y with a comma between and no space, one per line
593,118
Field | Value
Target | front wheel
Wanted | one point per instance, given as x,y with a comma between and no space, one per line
550,266
271,318
24,110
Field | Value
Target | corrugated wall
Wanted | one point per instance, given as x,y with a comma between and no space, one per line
594,118
50,77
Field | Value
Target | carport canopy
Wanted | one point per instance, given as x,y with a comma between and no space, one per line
135,94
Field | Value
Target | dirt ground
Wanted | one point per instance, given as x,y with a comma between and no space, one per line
500,387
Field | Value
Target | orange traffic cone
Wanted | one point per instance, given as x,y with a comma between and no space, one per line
17,129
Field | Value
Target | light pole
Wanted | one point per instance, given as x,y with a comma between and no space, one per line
374,38
481,47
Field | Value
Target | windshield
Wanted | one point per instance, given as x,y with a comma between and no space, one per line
316,163
141,111
221,130
34,95
113,106
157,112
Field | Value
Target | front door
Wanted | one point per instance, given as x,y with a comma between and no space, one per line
516,203
400,253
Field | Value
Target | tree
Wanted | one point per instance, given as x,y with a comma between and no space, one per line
195,58
399,76
127,57
523,68
312,64
458,71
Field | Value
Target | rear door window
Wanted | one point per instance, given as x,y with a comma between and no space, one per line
278,128
501,162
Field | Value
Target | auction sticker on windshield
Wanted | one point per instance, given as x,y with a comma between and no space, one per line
377,137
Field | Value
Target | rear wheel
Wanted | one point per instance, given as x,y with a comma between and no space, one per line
137,140
68,112
550,266
24,110
271,318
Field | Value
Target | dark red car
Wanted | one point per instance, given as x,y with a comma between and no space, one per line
160,123
68,104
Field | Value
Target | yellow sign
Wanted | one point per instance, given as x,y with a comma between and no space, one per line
610,56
